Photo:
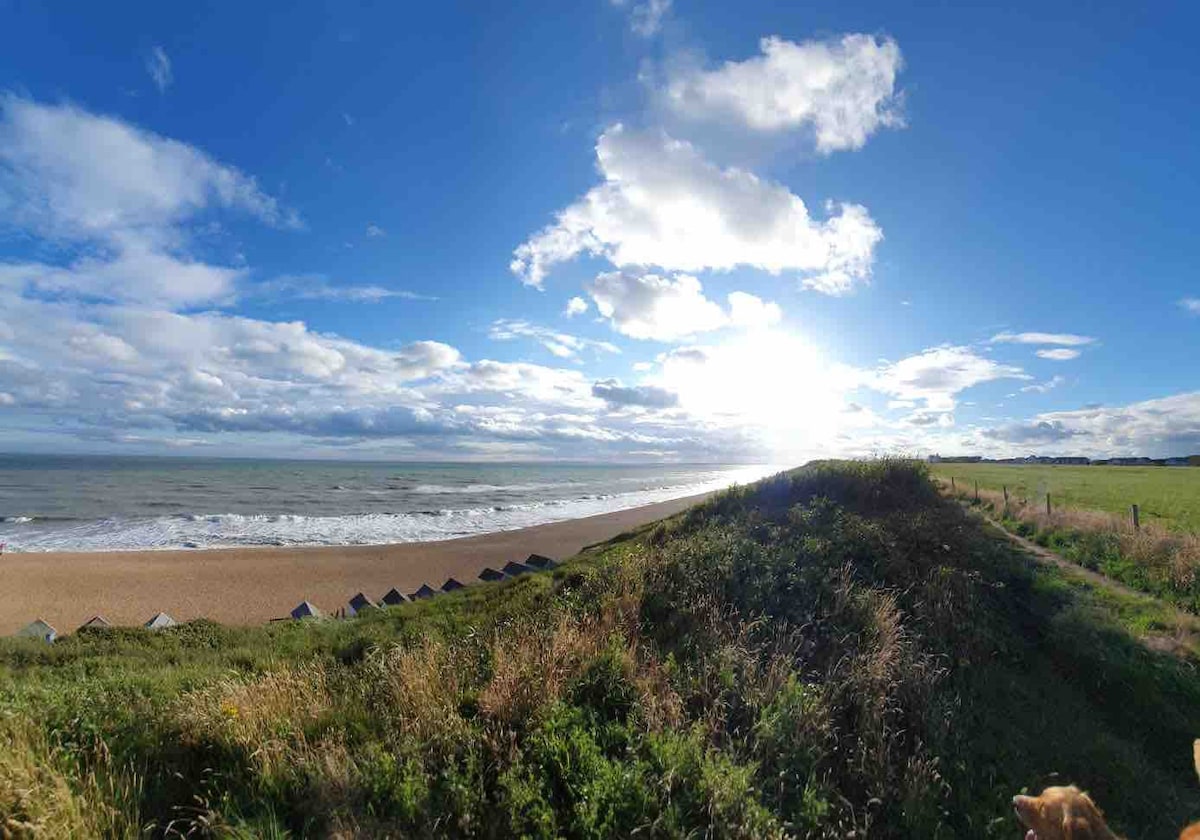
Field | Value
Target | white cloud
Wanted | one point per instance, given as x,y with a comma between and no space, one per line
662,204
1192,305
844,90
1161,427
648,306
750,312
317,287
375,231
1062,339
119,201
640,396
936,376
646,17
1044,387
562,345
158,65
575,306
1059,354
135,274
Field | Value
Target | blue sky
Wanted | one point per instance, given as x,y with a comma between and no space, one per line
635,230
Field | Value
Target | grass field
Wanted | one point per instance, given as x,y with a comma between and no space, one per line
1168,496
838,651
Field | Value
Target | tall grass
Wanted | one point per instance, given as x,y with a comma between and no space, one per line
832,652
1151,558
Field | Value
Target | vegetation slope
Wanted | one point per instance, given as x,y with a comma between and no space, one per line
838,649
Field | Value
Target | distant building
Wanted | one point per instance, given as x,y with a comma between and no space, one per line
394,598
513,569
489,574
451,584
305,610
426,591
159,621
38,629
537,561
361,602
96,622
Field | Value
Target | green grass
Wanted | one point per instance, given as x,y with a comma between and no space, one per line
1169,496
834,650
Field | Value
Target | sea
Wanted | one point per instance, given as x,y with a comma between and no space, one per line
94,503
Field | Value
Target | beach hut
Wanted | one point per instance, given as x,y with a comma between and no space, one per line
305,610
426,591
450,585
38,629
537,561
512,569
96,622
394,598
160,621
361,602
489,574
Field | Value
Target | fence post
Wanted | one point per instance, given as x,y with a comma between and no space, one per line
953,488
1137,525
1005,499
977,491
1047,504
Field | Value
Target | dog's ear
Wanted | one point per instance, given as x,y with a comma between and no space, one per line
1196,755
1077,827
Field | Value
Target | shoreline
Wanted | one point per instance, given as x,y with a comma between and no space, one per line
253,584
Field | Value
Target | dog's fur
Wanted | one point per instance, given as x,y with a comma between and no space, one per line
1192,832
1061,813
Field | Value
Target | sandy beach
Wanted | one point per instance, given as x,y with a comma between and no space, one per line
252,585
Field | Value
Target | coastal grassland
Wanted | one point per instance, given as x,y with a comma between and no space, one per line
1152,558
837,649
1167,496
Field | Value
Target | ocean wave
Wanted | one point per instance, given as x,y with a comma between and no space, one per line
17,519
213,530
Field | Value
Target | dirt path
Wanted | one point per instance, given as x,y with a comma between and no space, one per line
1184,642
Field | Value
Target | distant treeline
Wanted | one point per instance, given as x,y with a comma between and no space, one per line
1180,461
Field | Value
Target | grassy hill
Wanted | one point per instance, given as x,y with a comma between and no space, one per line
1168,496
831,650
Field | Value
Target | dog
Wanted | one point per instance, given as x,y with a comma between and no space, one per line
1061,813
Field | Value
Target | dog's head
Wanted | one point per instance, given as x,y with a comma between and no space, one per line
1060,813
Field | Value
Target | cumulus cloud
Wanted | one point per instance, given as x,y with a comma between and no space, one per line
575,306
843,90
562,345
1191,305
118,201
375,231
1041,431
936,376
663,204
645,396
1058,354
1060,339
158,65
1158,427
750,312
648,306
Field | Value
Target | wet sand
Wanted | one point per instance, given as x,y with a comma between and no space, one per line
253,585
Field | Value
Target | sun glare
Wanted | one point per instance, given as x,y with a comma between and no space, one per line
774,381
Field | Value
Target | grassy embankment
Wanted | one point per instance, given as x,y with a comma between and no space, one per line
1090,521
832,650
